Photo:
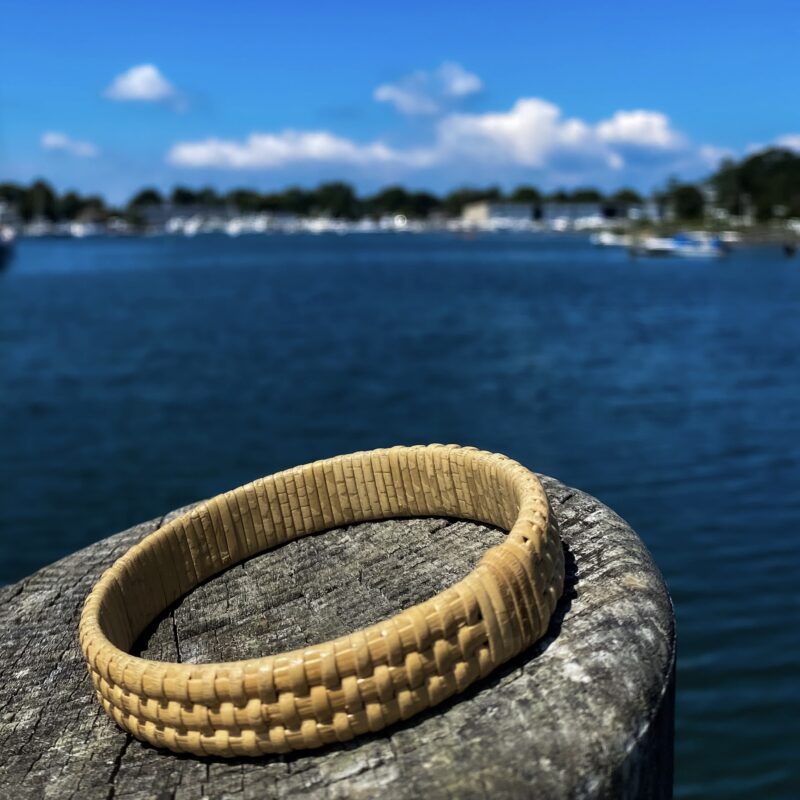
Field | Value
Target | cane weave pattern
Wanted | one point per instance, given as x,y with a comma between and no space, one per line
360,682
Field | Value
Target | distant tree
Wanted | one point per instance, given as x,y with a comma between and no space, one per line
687,201
728,184
183,196
423,204
763,182
398,200
586,194
391,200
272,202
526,194
337,199
247,201
136,210
295,200
560,196
626,196
39,202
209,197
13,194
70,205
145,197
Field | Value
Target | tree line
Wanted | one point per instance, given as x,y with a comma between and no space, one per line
334,199
765,184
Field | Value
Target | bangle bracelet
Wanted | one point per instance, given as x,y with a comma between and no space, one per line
360,682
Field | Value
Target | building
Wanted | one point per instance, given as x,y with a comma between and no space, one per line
494,214
588,215
553,210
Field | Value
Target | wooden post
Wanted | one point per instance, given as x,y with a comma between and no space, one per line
587,712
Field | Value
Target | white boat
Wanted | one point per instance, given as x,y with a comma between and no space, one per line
609,239
80,230
685,245
691,247
654,246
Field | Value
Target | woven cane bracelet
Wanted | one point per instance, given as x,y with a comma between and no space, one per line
361,682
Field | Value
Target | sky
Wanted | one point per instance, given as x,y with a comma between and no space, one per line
109,97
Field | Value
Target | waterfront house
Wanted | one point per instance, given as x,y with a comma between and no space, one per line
497,215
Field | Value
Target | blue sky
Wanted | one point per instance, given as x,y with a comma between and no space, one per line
108,97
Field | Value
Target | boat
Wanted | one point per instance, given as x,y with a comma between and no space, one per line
609,239
698,245
80,230
654,246
685,245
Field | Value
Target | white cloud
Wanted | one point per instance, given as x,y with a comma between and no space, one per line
533,138
788,141
791,141
54,140
532,133
712,155
272,150
428,93
640,128
142,83
456,81
408,97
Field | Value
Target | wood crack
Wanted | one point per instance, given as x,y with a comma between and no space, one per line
112,778
175,637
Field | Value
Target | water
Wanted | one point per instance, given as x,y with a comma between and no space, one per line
139,375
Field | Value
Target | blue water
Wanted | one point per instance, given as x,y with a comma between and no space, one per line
139,375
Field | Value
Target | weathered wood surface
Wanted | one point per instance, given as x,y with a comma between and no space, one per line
585,713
